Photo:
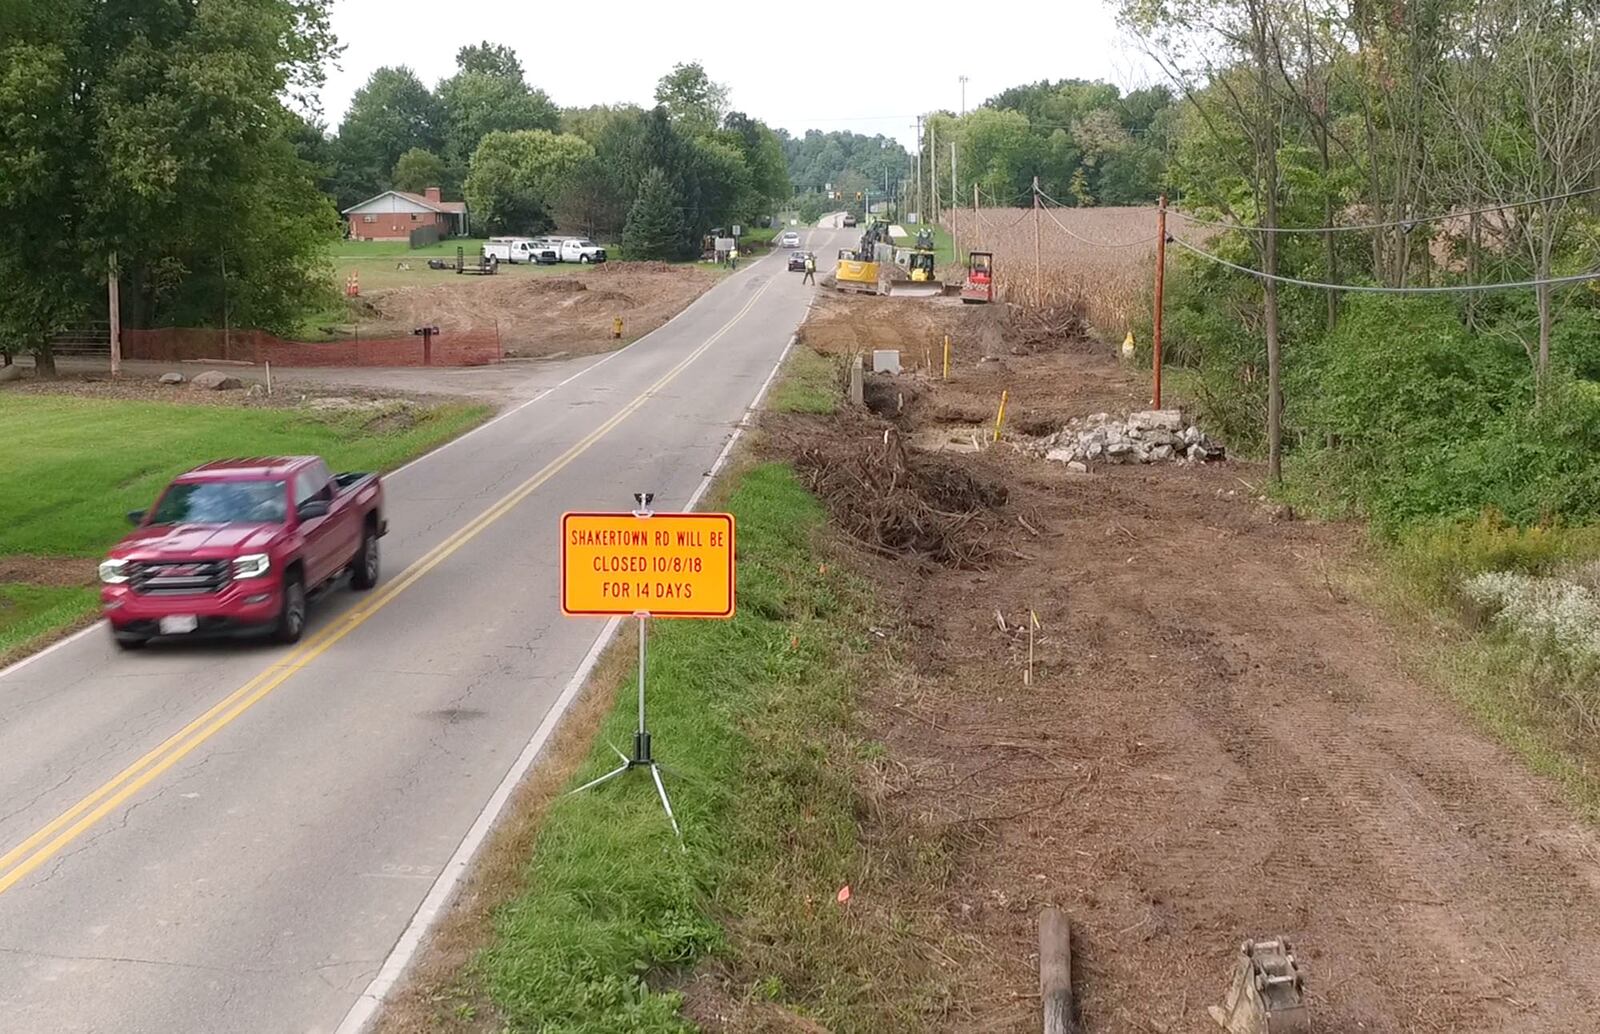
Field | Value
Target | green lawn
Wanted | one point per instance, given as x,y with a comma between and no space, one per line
77,466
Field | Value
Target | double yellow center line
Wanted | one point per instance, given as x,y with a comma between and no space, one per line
50,838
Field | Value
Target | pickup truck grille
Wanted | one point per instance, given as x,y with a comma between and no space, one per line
180,578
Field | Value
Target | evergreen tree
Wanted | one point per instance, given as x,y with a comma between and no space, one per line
655,222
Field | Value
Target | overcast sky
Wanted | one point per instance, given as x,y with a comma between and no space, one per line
824,78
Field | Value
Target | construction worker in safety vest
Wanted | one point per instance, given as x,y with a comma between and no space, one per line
811,270
733,257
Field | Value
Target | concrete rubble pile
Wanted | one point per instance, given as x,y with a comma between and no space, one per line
1152,436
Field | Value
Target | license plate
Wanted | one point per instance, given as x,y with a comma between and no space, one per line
178,624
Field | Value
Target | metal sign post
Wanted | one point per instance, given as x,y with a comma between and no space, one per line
646,565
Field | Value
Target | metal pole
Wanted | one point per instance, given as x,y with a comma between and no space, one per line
933,171
1161,279
114,303
644,634
963,93
977,235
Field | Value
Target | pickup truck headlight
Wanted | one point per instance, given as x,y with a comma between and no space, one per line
113,572
253,565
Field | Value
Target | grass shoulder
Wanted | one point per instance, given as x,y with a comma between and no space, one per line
87,462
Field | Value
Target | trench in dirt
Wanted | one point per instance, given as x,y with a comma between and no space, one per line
1217,743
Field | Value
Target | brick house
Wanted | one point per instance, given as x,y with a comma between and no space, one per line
392,215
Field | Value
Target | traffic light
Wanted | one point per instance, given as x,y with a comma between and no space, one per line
858,195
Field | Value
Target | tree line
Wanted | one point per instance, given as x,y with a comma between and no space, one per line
1408,155
1088,143
154,139
674,171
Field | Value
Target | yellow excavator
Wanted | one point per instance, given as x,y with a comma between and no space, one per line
876,267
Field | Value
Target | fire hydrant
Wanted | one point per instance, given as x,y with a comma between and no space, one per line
616,327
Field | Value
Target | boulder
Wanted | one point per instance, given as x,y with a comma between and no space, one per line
1078,468
1161,452
1061,455
10,373
1119,449
1157,420
1191,434
1197,454
212,380
256,391
171,378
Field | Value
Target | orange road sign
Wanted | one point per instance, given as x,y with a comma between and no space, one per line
666,565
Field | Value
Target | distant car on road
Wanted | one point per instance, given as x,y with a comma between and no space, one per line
790,239
239,546
797,261
849,220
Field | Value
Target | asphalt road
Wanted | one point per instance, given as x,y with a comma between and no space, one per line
233,838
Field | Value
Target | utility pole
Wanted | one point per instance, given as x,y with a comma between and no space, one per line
922,209
114,304
1161,277
955,203
1038,278
933,171
963,93
977,228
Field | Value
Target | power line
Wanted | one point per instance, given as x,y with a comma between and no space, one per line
1143,241
1406,223
1577,278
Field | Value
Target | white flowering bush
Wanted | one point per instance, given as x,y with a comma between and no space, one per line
1560,610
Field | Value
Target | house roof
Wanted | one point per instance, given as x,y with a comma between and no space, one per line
459,207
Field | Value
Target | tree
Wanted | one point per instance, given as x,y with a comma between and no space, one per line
655,227
486,95
183,160
488,58
389,116
599,195
418,170
1524,101
517,177
691,98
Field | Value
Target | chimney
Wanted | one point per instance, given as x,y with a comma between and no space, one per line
432,194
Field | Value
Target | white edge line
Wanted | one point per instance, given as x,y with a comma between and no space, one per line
441,447
443,890
405,949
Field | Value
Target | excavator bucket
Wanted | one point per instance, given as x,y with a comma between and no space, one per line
1268,993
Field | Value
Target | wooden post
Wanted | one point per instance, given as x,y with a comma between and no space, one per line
1038,275
977,237
114,304
1161,280
1055,971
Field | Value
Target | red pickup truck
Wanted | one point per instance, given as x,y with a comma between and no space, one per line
239,546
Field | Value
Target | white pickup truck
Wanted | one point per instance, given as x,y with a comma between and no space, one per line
578,249
519,250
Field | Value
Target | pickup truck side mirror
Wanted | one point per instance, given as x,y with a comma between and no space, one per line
136,517
312,508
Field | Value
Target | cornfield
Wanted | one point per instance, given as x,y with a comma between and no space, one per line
1108,281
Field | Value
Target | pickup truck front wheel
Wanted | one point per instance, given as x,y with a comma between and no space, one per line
128,641
364,568
292,614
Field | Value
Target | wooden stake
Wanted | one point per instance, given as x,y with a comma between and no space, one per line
1055,971
947,357
1000,417
114,303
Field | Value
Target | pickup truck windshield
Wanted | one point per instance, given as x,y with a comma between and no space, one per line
223,502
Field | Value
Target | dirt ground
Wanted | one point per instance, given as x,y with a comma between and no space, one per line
539,316
1217,742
